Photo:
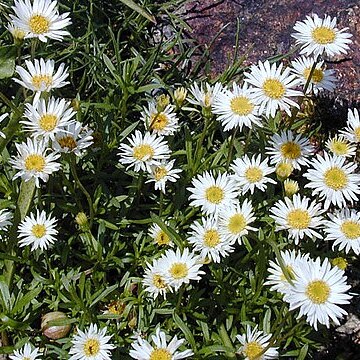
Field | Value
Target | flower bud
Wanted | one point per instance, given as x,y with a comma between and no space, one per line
180,96
57,331
291,187
81,219
340,262
162,102
283,170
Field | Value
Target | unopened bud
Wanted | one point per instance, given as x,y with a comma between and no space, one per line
162,102
340,262
75,103
81,219
180,96
283,170
54,331
291,187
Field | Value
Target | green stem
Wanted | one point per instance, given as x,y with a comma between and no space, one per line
231,148
198,150
247,141
82,188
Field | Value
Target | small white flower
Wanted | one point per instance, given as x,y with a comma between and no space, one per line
46,119
254,342
317,36
179,268
25,353
344,228
5,217
16,32
334,180
317,290
41,19
204,95
207,239
251,173
352,130
234,221
143,350
154,281
340,146
160,122
321,79
287,147
162,173
211,193
41,75
273,88
2,117
38,231
299,216
74,138
32,161
91,345
236,108
144,151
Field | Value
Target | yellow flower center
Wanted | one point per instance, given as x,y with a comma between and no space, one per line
253,350
237,223
351,229
211,238
91,347
38,230
179,270
67,142
39,24
160,172
214,194
290,150
158,121
48,122
143,152
316,76
318,291
160,354
162,238
298,219
357,133
39,80
335,178
253,174
241,105
274,88
158,282
116,308
35,162
339,147
323,35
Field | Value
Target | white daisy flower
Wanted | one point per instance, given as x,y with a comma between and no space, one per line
207,239
253,344
45,119
144,151
25,353
159,236
32,161
41,19
211,193
143,350
298,216
234,221
352,130
2,117
162,173
317,36
317,290
344,228
16,32
91,345
74,138
154,281
333,180
41,75
321,79
340,146
290,148
291,260
179,268
273,88
160,122
38,231
5,217
204,95
251,173
236,108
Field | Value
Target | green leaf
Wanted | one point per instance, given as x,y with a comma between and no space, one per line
132,5
7,61
27,190
23,301
187,332
5,299
303,352
103,294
